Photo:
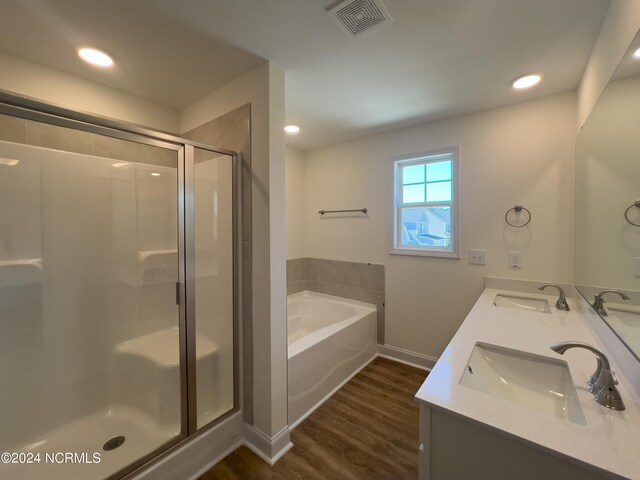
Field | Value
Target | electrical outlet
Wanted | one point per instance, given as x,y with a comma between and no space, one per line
515,259
477,257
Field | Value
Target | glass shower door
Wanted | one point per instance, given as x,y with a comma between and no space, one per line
89,337
213,240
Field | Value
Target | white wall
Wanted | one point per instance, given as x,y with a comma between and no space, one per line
517,154
295,200
30,79
263,87
618,30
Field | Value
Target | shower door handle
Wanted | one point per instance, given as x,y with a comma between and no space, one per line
178,296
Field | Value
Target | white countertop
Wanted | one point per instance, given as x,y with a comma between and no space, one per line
610,439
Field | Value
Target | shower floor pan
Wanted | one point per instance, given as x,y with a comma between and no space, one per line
88,436
145,390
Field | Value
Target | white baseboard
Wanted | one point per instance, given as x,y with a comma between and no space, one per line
269,449
413,359
327,396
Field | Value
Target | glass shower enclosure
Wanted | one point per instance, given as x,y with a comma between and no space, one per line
118,292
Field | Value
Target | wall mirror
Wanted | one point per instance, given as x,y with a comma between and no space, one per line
607,229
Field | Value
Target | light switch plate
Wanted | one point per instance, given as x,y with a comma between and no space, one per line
477,257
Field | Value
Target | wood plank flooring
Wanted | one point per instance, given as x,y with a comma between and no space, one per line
368,430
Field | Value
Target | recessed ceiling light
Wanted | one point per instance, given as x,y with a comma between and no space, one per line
292,129
119,164
636,54
527,81
155,174
10,162
95,57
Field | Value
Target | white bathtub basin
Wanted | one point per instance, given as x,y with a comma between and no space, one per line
330,339
539,382
529,304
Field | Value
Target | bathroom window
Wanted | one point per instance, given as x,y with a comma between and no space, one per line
426,204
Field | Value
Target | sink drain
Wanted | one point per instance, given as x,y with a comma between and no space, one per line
113,443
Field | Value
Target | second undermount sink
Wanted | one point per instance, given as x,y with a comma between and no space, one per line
539,382
517,302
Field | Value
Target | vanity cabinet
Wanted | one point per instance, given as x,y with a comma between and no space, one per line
452,448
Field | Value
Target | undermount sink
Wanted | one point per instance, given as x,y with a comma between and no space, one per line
539,382
528,304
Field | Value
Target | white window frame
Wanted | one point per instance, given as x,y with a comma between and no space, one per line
431,156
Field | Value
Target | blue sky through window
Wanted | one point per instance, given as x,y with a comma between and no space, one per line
413,193
429,182
439,171
439,192
413,174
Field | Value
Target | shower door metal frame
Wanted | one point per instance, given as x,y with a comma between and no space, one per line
190,279
32,109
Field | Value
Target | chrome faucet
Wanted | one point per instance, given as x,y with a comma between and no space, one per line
603,381
561,304
598,301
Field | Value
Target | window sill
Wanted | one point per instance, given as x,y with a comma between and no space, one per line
423,253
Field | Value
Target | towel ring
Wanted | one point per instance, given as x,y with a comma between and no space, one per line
626,213
517,208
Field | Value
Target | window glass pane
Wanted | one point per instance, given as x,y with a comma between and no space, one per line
413,174
439,171
426,227
438,192
413,193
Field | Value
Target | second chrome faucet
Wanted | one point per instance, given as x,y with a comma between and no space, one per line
561,304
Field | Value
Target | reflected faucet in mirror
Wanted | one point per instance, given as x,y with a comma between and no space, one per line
561,304
598,301
603,381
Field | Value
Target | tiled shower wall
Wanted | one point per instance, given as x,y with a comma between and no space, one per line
233,131
357,281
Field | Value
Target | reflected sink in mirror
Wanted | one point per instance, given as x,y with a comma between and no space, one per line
626,323
539,382
528,304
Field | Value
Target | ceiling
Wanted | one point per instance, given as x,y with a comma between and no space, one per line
436,59
156,57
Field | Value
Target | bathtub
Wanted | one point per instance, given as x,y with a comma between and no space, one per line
330,339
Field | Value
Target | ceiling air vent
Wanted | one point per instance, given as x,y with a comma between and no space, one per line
356,17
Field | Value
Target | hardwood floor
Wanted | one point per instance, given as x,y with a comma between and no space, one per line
368,430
